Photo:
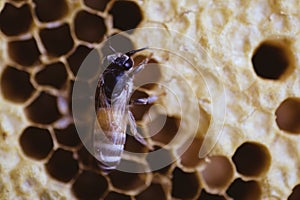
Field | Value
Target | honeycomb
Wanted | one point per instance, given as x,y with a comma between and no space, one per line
255,49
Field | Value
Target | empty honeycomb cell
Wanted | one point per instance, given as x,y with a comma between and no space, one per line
85,24
54,75
207,196
138,111
246,190
87,159
168,131
68,136
218,173
16,85
116,196
89,185
149,75
132,145
117,43
190,158
24,52
185,185
50,10
288,115
77,57
57,41
271,59
295,195
43,109
126,15
252,159
154,191
128,181
36,142
62,166
154,160
96,4
15,20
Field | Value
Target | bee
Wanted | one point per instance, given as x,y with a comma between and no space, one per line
112,97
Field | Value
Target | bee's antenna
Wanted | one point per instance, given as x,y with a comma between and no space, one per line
111,48
130,53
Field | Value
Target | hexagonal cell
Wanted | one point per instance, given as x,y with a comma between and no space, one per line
15,85
48,11
154,191
207,196
154,160
138,111
62,166
128,181
43,109
149,76
295,195
271,59
288,115
24,52
77,57
89,185
87,159
118,42
190,157
246,190
218,172
15,20
252,159
168,131
85,24
54,74
96,4
68,136
36,142
116,196
57,41
185,185
126,15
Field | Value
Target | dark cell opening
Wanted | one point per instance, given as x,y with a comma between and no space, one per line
132,145
14,20
207,196
154,191
62,166
116,196
99,5
89,27
87,159
288,115
168,131
154,160
16,85
184,185
36,142
271,59
252,159
246,190
24,52
77,57
138,111
128,181
295,195
68,136
89,185
57,41
52,10
218,172
190,158
126,15
43,109
54,75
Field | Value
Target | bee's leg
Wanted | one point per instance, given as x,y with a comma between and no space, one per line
135,133
141,65
144,101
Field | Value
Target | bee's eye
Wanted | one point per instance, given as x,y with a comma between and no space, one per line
128,64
